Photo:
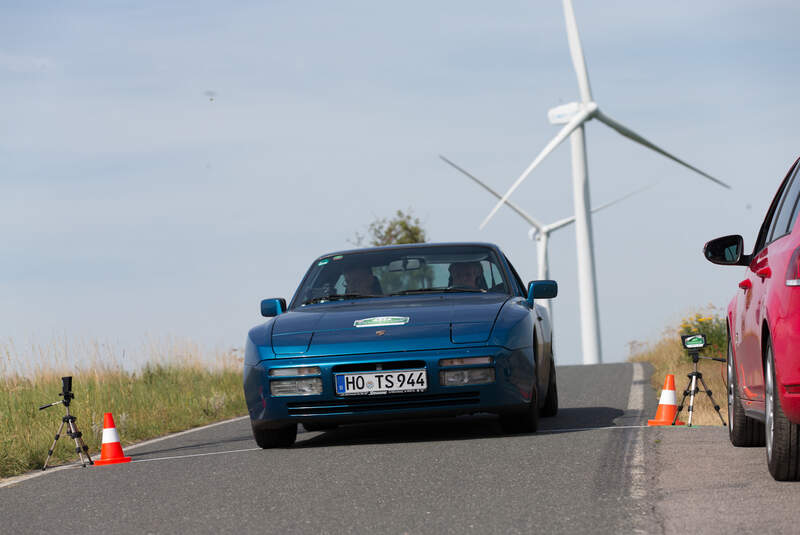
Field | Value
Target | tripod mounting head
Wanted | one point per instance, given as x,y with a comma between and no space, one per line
66,393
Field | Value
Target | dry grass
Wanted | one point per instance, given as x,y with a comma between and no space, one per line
668,356
175,391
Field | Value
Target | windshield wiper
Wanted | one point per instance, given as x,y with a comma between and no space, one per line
338,297
438,290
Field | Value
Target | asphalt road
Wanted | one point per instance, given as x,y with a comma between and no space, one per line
591,469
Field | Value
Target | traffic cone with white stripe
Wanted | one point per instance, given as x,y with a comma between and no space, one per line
667,405
111,450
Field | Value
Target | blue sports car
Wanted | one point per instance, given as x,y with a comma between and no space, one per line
399,332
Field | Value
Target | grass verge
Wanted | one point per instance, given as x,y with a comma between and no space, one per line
158,399
668,356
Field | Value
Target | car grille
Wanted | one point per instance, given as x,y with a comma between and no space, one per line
381,403
382,366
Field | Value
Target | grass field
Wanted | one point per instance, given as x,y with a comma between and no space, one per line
176,391
668,356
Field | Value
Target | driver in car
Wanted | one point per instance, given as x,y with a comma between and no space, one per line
465,274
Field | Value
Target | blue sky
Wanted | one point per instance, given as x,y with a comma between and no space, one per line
132,205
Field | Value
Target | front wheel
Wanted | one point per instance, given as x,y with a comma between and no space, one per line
550,407
523,422
275,438
783,437
742,430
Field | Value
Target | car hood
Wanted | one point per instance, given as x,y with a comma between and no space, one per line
434,322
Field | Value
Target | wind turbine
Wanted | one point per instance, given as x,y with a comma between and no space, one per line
538,231
573,116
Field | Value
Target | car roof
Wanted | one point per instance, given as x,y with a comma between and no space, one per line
411,245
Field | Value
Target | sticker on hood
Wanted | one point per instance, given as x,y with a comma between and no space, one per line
381,321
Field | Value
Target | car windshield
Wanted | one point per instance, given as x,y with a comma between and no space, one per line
402,271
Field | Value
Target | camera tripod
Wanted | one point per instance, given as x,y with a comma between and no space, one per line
72,430
692,389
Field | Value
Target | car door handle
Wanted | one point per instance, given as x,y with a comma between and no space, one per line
764,272
745,284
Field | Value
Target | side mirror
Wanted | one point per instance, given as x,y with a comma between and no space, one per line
273,307
542,290
726,250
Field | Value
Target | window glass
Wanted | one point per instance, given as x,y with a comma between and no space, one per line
796,202
522,288
780,224
793,220
769,221
406,270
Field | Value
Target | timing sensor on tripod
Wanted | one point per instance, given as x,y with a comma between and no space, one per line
69,420
693,343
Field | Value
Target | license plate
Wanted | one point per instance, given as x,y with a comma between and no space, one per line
369,383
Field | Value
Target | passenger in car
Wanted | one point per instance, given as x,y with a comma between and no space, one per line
360,280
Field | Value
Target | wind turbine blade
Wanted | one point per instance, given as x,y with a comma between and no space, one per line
576,51
574,123
569,220
630,134
522,213
559,224
620,199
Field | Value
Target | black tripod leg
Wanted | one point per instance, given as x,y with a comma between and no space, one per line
53,447
716,405
82,444
76,436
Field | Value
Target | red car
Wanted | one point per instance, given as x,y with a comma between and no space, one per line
764,333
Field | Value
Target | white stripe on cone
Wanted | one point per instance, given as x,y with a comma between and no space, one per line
667,398
111,435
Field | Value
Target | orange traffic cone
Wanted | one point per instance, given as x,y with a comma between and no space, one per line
111,450
667,405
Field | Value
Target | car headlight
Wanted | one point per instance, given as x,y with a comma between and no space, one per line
464,361
294,372
296,387
469,376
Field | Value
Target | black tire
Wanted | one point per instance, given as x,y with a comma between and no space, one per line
550,407
310,426
526,421
275,438
744,432
783,437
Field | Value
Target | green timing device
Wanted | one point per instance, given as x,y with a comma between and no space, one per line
694,341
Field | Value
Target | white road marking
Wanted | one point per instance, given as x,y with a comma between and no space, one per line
636,396
192,455
181,433
636,463
570,429
30,475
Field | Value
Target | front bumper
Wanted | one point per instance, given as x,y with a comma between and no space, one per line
511,390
